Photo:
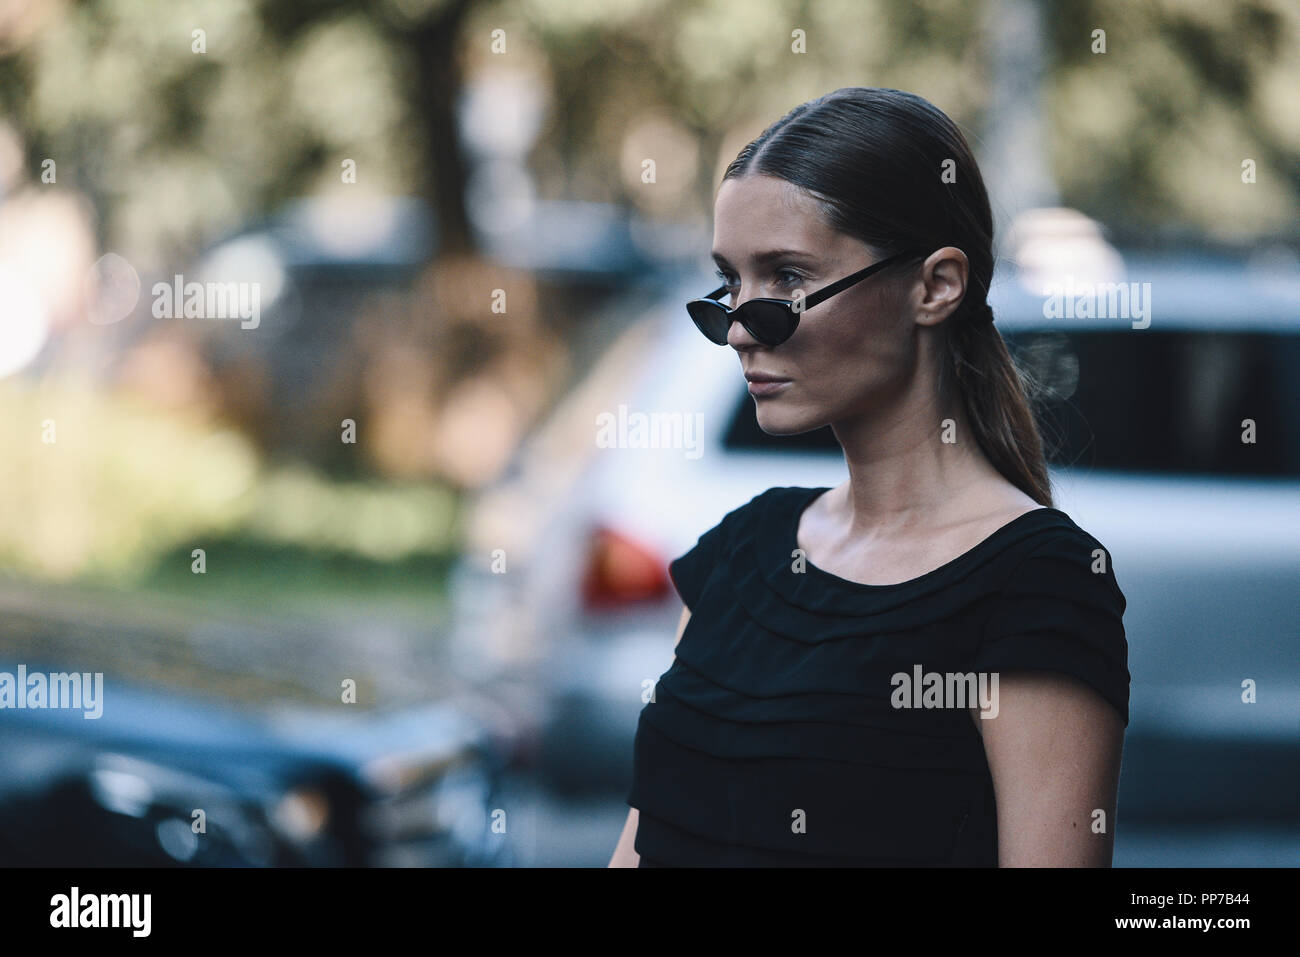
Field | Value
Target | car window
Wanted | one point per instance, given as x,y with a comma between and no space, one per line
1142,401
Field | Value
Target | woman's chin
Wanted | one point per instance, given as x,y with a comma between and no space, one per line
775,421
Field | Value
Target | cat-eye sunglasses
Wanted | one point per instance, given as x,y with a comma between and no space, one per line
773,321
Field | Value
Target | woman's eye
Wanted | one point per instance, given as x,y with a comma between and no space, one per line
785,277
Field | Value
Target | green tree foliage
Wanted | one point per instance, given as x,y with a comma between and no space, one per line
173,145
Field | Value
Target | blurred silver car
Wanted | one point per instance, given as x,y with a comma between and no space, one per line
563,605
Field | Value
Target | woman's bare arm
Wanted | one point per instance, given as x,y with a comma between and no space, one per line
1054,751
625,854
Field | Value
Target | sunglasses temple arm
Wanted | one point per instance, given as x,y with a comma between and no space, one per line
842,284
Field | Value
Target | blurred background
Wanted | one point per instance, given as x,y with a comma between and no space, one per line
345,530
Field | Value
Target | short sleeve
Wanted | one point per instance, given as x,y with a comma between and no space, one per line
690,571
1062,610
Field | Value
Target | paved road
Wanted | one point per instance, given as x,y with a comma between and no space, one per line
552,831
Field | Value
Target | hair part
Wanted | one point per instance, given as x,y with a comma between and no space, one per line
873,157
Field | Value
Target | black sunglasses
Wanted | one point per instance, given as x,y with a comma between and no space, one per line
772,321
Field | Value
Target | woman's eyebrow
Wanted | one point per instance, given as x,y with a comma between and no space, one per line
766,257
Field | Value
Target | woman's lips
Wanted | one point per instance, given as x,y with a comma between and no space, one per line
763,387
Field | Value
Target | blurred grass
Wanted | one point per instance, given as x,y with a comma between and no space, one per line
261,576
111,495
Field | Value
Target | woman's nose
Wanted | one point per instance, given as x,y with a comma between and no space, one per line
738,337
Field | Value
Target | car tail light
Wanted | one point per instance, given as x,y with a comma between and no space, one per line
621,571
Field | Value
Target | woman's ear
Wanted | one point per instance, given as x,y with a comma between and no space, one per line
942,285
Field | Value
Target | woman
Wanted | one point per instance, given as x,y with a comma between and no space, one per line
925,665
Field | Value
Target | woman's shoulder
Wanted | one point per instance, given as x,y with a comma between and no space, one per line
1059,607
1067,553
761,505
746,519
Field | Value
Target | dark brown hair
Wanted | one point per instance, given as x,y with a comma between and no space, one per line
875,158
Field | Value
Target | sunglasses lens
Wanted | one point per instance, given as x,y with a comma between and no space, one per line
768,322
711,319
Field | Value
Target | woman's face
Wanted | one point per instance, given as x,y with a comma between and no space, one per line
851,353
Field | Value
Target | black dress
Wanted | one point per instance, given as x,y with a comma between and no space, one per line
779,735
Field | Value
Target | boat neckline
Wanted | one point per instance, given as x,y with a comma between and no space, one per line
805,501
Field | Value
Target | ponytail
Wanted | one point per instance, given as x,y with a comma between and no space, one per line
994,396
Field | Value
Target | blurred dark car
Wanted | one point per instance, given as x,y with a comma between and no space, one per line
161,780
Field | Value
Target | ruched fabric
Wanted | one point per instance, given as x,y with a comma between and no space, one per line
780,736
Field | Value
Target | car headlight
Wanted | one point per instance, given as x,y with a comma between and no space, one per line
301,814
121,789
